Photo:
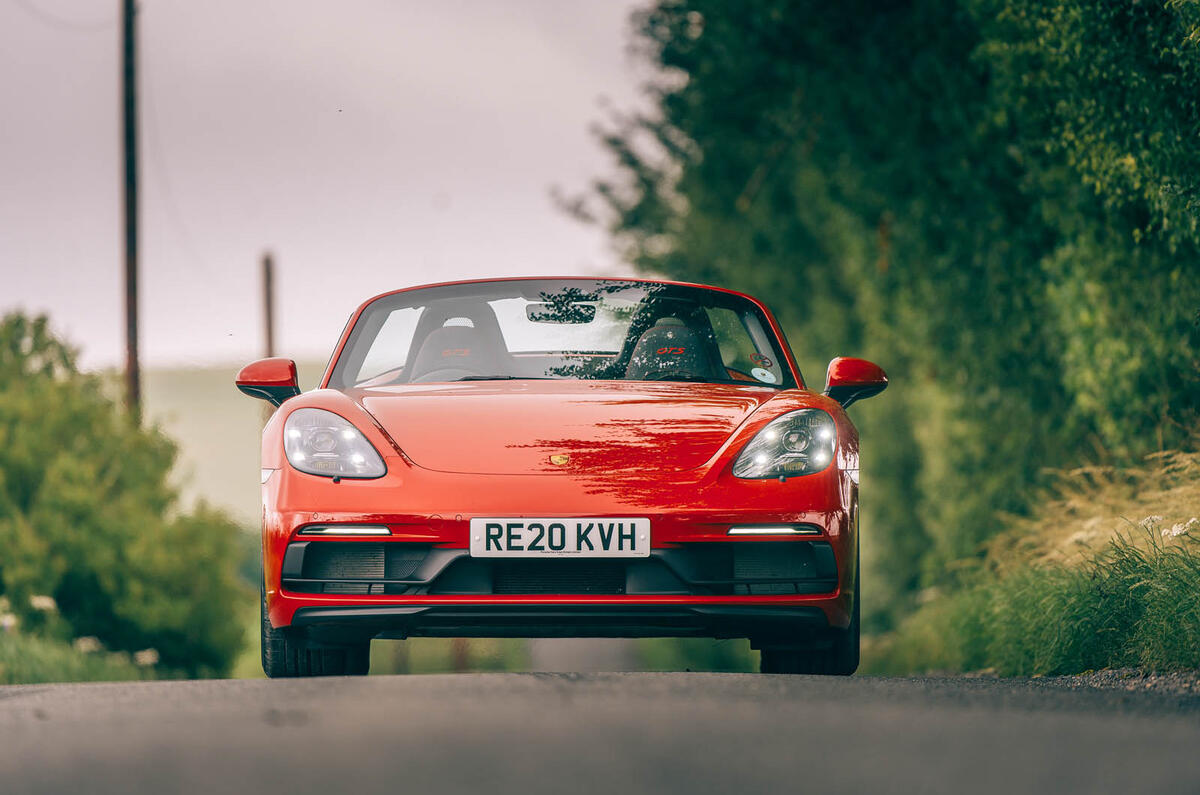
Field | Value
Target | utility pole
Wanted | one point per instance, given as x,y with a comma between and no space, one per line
133,376
460,655
268,288
268,295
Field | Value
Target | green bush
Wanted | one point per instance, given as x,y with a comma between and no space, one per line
87,516
1135,604
29,659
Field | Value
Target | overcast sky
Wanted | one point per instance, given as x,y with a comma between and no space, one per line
371,145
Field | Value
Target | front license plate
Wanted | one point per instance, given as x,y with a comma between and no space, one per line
560,538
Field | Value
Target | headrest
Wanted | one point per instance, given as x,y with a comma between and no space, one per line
669,349
451,352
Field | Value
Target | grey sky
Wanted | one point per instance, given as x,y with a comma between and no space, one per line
370,144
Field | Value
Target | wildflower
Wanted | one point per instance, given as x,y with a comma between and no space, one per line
8,622
43,603
146,657
87,644
1181,528
1150,521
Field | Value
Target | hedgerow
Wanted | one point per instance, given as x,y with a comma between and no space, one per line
1133,604
94,542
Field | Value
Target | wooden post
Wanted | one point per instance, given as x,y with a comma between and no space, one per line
460,654
133,377
268,288
268,295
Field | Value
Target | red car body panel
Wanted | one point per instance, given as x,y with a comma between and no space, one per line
276,372
455,451
604,426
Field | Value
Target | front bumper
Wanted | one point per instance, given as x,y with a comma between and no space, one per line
562,620
433,510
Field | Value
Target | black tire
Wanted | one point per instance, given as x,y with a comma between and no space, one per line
840,659
286,652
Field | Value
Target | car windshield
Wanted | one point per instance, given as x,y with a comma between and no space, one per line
561,328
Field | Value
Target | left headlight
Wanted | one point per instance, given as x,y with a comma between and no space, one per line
798,443
320,442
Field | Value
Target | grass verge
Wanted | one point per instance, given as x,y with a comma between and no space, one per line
696,654
445,655
25,659
1133,604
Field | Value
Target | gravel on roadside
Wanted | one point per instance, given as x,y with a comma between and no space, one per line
1182,683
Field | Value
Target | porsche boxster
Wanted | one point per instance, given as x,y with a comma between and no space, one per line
554,457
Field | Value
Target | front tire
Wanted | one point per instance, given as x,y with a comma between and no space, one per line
286,652
840,659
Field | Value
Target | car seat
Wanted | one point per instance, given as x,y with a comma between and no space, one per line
671,349
453,352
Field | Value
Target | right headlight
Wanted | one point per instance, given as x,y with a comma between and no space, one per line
798,443
320,442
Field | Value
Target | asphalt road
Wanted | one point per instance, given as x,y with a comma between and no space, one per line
603,733
583,655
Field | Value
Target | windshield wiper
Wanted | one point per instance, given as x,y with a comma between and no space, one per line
503,378
701,379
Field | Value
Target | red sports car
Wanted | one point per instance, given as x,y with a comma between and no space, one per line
560,457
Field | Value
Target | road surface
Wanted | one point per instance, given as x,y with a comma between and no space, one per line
583,655
599,733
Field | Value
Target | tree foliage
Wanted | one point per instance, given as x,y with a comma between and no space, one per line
997,199
88,517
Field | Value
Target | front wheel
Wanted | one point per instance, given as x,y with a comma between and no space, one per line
286,652
840,659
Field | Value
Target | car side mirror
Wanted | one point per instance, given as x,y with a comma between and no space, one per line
272,380
848,380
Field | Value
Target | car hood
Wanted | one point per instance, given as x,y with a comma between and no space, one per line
561,426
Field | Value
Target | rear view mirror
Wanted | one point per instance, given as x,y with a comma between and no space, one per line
848,380
272,380
560,313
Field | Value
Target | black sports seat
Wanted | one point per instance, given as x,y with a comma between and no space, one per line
453,352
670,349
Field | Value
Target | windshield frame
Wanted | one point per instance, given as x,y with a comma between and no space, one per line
334,376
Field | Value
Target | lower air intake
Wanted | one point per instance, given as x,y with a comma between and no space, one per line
559,577
333,561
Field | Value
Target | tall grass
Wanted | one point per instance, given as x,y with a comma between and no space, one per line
1135,603
27,659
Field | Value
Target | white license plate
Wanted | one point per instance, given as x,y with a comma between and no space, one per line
560,538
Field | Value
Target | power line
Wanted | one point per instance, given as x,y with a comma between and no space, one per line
162,178
59,23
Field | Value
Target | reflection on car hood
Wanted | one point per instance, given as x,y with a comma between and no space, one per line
562,426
